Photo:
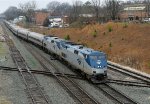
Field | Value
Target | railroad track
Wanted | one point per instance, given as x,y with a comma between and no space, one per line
129,73
115,95
109,91
83,97
76,92
128,83
33,88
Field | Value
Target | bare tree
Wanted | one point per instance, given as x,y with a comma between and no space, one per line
136,1
63,9
87,8
12,12
52,6
28,9
112,8
96,5
76,9
147,2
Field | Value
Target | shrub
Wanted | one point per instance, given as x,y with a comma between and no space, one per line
149,64
94,33
67,37
110,44
84,44
104,33
110,29
100,47
125,25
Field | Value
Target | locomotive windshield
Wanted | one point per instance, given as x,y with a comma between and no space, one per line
97,61
98,57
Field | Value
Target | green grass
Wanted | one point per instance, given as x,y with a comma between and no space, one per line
110,44
149,64
125,25
110,29
67,37
2,49
94,33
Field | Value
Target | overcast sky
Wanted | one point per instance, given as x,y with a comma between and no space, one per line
4,4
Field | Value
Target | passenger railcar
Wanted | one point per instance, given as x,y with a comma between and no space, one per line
36,38
23,33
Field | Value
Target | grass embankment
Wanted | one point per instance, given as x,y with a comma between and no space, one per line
127,44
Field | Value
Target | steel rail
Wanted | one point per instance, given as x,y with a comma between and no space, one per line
129,73
115,95
33,88
128,83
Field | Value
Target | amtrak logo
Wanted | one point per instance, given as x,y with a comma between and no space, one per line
98,61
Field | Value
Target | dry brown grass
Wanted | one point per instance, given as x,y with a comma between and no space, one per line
126,45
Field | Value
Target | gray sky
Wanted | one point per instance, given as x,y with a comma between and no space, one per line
4,4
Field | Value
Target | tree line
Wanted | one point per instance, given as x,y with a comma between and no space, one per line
106,9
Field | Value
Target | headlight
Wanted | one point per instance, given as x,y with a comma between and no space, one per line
99,66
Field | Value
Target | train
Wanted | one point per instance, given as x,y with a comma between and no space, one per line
92,64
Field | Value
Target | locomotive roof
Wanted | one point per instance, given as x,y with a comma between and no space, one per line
51,37
82,49
23,30
73,46
36,35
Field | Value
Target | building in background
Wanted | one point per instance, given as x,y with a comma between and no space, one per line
58,21
40,17
19,19
133,12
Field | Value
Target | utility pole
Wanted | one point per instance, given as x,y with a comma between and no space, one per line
148,8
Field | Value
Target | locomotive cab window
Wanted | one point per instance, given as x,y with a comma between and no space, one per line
76,52
44,44
52,41
85,56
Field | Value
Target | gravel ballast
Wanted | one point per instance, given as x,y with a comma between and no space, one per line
141,95
53,89
12,89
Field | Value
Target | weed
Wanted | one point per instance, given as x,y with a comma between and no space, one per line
94,33
84,44
67,37
110,29
104,33
125,25
149,64
100,47
110,44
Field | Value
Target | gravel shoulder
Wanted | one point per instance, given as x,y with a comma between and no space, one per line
11,86
54,90
11,89
30,60
5,58
141,95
